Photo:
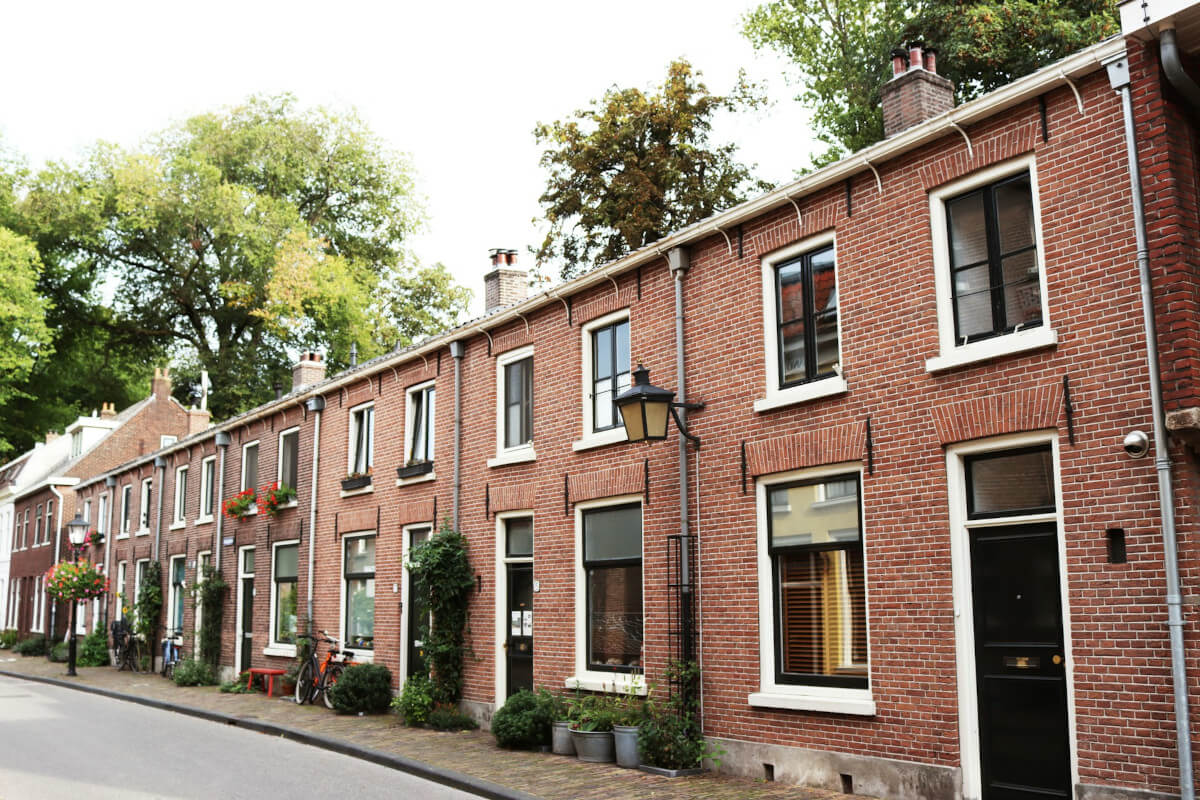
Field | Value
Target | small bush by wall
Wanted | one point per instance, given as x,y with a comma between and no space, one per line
363,688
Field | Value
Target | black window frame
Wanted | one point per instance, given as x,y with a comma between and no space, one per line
176,595
615,379
275,583
971,459
807,679
508,550
357,576
995,260
609,563
523,401
810,319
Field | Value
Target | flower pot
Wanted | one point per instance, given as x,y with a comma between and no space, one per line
414,470
625,743
671,773
350,484
594,746
563,744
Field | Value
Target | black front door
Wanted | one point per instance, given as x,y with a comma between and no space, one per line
418,612
247,621
520,627
1021,672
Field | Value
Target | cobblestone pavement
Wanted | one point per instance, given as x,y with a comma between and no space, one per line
473,753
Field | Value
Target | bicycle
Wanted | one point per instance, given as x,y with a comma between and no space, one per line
126,647
170,653
315,678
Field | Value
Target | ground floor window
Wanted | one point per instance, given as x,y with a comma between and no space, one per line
285,572
359,577
612,564
36,624
119,597
175,622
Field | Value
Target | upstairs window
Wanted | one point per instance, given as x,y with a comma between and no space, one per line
49,522
126,511
362,439
250,466
289,458
208,472
76,444
518,403
37,525
144,518
421,404
181,480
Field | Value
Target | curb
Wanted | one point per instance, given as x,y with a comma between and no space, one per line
447,777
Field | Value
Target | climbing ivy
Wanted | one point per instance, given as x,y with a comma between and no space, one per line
440,570
208,596
149,602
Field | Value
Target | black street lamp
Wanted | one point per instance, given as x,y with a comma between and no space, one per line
645,408
76,531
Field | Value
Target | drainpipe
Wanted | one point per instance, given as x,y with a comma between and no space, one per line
110,484
678,262
457,350
1118,75
315,405
161,463
222,441
1173,68
57,555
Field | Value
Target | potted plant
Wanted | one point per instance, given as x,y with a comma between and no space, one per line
591,733
414,468
242,504
564,715
94,538
356,480
275,497
628,713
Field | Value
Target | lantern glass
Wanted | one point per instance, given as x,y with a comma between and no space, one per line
77,530
631,415
656,413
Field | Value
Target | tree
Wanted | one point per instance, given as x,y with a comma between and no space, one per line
633,166
237,238
841,50
24,336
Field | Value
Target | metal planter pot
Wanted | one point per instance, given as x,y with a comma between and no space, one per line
563,745
625,742
594,746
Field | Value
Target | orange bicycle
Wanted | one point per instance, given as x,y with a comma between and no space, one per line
315,679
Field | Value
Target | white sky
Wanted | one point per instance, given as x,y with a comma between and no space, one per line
459,87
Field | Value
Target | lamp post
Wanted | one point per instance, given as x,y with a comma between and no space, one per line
76,532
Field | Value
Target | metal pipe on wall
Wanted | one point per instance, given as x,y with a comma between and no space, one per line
457,351
316,405
678,262
222,440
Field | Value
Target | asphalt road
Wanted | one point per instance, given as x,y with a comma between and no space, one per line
57,743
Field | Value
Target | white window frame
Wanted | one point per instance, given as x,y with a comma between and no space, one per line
87,510
49,522
352,444
590,438
295,501
518,453
257,465
951,354
405,587
501,592
179,504
274,646
799,697
119,595
776,396
126,507
139,572
76,443
37,622
590,680
964,614
198,610
239,638
173,593
144,506
410,429
102,512
207,485
166,440
362,656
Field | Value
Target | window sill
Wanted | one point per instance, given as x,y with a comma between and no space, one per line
516,455
280,650
124,535
779,398
600,439
360,656
292,504
174,526
356,492
428,476
858,703
203,521
142,532
621,682
1009,344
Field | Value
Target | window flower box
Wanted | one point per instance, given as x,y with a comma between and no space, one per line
276,497
241,505
414,469
356,481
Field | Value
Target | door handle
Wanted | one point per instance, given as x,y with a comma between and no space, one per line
505,645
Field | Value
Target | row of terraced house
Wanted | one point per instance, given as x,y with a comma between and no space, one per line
913,545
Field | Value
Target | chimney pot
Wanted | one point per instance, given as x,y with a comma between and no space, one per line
160,386
506,283
51,436
915,59
917,94
931,60
310,369
899,61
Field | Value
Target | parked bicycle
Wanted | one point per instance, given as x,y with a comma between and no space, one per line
317,678
171,646
126,647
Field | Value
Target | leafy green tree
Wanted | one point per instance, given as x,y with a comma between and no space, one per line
634,166
24,336
237,238
841,49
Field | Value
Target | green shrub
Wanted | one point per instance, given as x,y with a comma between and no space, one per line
8,638
93,650
445,717
189,672
365,688
415,701
525,720
60,652
237,685
443,578
33,646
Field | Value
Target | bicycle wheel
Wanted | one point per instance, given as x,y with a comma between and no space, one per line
304,683
332,673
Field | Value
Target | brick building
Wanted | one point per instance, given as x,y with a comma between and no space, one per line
921,562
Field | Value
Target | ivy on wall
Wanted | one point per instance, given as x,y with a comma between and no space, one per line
440,570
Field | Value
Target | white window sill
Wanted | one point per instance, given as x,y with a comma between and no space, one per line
600,439
360,656
142,532
428,476
203,521
515,455
178,524
857,702
607,682
280,650
778,398
356,492
292,504
124,535
1009,344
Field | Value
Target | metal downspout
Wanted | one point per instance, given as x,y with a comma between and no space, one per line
457,350
110,490
1118,73
161,463
57,555
222,440
1173,67
312,503
678,261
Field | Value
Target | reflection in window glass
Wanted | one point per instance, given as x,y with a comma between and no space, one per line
1012,482
612,560
360,592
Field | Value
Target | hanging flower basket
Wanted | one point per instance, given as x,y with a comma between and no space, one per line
75,580
241,504
274,497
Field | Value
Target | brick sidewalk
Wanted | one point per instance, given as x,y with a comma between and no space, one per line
473,753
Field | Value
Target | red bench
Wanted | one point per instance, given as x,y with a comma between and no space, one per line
267,674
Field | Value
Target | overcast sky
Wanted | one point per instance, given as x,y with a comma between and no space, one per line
458,86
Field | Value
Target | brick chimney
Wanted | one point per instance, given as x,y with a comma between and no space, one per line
916,92
108,410
160,385
198,420
309,369
51,436
505,284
